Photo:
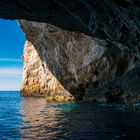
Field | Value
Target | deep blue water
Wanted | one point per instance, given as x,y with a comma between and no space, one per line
33,118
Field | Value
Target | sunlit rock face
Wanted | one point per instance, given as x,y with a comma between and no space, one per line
38,80
61,64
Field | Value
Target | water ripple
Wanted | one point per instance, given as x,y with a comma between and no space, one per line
34,118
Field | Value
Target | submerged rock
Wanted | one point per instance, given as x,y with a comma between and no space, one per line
64,65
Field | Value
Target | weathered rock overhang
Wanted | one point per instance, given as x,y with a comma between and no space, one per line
61,64
114,20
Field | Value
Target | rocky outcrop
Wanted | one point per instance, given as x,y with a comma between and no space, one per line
62,64
102,65
38,79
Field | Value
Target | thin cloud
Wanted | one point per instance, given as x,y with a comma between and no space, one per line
11,84
10,78
10,60
10,71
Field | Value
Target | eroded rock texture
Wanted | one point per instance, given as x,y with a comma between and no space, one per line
113,20
38,80
64,63
103,66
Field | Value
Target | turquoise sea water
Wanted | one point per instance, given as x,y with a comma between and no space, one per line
33,118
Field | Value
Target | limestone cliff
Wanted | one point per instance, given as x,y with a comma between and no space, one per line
61,64
38,80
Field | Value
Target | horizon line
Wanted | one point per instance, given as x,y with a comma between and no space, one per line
1,90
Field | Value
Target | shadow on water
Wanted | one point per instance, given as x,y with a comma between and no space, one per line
34,118
77,121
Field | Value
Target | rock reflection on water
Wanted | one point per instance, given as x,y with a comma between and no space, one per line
42,120
77,121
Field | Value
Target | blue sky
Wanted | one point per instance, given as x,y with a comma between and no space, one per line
12,40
